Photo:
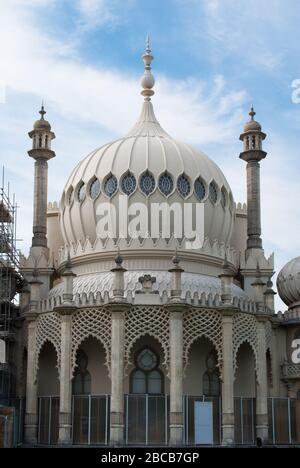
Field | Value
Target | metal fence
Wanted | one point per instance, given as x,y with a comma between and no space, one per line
147,420
284,421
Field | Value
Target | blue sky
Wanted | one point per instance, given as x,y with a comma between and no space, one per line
213,58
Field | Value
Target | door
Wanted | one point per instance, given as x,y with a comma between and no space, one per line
203,423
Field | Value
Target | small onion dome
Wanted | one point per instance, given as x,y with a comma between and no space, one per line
42,124
252,125
288,283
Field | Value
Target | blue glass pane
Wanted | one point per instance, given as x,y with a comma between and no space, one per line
147,183
128,184
200,189
81,192
95,189
183,186
213,193
110,186
165,184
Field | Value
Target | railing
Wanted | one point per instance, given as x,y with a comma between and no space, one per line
91,419
244,421
147,419
48,420
284,420
290,371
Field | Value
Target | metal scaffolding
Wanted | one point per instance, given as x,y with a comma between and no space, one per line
10,283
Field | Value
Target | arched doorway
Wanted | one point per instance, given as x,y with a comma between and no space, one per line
48,395
202,391
146,403
244,395
90,394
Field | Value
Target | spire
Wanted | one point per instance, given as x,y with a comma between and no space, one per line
42,111
252,112
148,80
147,124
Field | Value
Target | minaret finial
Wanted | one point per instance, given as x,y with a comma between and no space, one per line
42,111
252,113
148,80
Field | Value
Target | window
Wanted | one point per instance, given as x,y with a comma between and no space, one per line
82,377
183,186
165,184
223,198
110,185
200,189
81,192
147,183
211,381
128,184
146,378
213,193
95,189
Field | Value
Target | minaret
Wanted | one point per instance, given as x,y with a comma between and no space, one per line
253,154
41,152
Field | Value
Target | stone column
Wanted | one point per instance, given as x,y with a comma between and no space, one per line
66,310
40,203
253,205
31,418
65,402
176,373
31,385
228,379
262,383
117,373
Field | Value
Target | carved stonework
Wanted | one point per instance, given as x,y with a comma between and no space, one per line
244,331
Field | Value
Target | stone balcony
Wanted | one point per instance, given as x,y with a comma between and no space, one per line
290,371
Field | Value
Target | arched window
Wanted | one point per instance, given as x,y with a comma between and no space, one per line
146,377
211,381
82,377
40,141
46,141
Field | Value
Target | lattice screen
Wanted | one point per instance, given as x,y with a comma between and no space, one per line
147,320
199,323
48,329
95,322
244,331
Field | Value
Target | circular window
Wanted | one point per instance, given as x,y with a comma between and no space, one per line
223,198
81,192
128,184
165,184
147,360
213,193
147,183
200,189
95,189
183,186
111,185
